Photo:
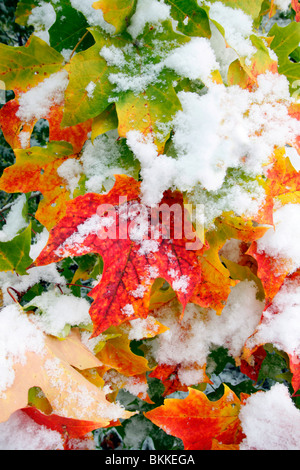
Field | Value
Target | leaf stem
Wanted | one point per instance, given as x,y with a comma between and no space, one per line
79,42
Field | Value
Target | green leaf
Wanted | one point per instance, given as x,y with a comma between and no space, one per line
116,12
14,254
192,19
285,41
69,28
148,111
106,121
25,66
24,9
86,68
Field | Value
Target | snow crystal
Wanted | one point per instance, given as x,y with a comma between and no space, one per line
141,327
55,311
270,421
71,171
128,310
148,246
190,340
24,138
20,432
282,242
90,89
36,103
147,11
13,348
280,324
90,226
15,220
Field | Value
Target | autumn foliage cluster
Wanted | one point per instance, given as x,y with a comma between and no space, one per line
109,324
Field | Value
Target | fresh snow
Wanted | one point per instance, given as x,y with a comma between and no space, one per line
37,102
270,421
227,127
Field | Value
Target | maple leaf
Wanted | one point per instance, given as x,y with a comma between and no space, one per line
14,254
132,259
14,128
285,41
35,169
271,271
296,7
192,19
116,12
116,354
216,283
22,67
68,427
198,421
53,369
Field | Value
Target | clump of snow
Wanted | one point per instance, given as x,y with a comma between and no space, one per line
190,339
90,88
194,60
224,55
243,197
15,221
128,310
113,55
76,241
101,160
237,25
147,11
282,241
71,171
20,432
42,17
282,4
270,421
280,324
228,127
24,138
36,103
56,311
94,17
13,347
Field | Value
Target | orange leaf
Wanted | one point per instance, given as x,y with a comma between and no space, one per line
132,259
72,428
168,374
295,369
35,169
198,421
117,355
296,7
215,286
271,271
53,369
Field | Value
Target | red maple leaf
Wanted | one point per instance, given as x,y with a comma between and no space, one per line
137,243
198,421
